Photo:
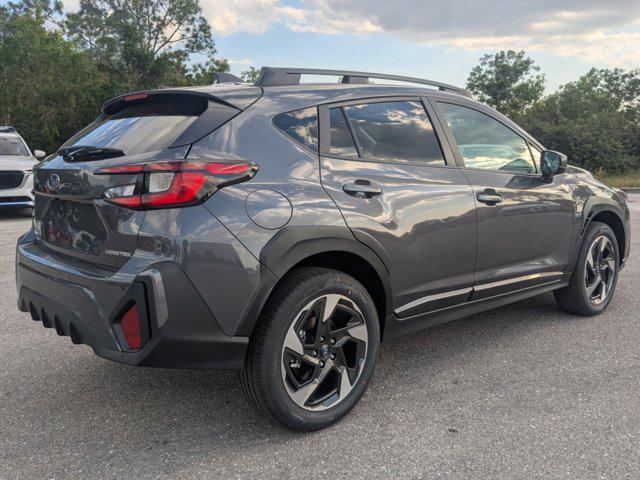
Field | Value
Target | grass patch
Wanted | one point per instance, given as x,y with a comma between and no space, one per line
627,180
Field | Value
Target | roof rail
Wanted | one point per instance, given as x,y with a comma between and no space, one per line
7,129
273,77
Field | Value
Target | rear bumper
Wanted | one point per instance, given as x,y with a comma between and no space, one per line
182,332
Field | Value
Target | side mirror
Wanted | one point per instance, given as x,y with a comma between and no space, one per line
553,163
39,154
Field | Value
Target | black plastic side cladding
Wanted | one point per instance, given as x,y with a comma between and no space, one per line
294,244
191,337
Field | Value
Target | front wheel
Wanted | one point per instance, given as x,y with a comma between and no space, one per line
596,273
314,351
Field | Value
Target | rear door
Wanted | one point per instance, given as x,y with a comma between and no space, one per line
524,220
402,195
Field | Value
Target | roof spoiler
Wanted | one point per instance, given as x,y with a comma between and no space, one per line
273,77
229,99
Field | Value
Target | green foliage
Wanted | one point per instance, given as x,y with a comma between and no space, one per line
594,120
507,81
48,89
251,75
202,73
144,43
57,71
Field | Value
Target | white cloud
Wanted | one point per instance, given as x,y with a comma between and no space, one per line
230,16
257,16
241,62
599,32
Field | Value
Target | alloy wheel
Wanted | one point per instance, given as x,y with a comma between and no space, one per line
600,269
324,352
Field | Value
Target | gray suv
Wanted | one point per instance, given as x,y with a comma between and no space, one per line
286,229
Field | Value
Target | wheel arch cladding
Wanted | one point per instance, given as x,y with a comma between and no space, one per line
613,220
330,247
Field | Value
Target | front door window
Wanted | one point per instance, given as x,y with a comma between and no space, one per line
485,143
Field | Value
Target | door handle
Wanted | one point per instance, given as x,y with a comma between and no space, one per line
362,189
489,197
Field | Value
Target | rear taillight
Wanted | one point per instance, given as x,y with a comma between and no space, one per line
131,328
174,184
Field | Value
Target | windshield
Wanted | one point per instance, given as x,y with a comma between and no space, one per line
13,146
142,127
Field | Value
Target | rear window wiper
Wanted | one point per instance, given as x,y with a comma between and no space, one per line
88,152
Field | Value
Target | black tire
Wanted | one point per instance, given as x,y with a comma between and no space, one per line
263,378
574,298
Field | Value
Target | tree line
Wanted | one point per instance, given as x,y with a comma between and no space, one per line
595,119
57,68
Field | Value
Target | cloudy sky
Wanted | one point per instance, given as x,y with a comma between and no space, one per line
431,38
439,39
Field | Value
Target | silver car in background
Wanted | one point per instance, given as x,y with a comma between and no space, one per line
16,164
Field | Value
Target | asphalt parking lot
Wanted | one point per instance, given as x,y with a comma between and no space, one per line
524,391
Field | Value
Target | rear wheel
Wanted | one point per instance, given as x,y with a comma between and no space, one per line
596,273
314,351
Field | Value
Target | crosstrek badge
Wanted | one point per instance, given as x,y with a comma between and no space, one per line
117,253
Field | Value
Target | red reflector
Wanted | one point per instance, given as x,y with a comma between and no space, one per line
136,96
130,324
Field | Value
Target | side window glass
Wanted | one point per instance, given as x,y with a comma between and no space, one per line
341,140
395,131
486,143
301,125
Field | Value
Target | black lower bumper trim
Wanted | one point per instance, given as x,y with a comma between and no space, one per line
189,337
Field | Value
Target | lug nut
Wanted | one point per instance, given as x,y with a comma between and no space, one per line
315,353
321,339
333,355
332,341
321,364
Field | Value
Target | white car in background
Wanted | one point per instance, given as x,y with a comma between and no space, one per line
16,164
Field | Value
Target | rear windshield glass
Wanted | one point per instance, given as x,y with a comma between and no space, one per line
13,146
144,126
301,125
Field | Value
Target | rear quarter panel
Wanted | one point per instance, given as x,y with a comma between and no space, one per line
286,169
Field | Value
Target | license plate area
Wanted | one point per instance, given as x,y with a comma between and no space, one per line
74,226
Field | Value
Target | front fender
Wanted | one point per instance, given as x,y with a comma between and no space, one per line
590,206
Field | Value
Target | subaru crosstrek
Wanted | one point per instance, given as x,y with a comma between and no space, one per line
285,229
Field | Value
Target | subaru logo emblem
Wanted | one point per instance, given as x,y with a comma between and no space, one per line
53,182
